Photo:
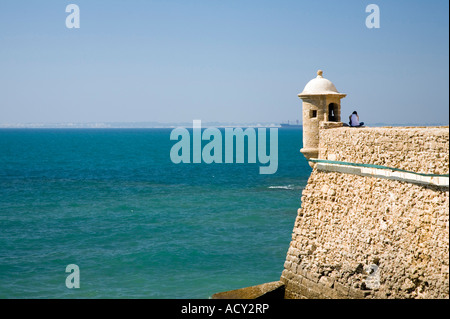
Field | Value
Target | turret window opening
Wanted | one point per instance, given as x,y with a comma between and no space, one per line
332,112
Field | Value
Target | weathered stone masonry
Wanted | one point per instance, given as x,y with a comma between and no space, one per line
366,237
366,232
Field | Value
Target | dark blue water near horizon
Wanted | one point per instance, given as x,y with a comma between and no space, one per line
139,226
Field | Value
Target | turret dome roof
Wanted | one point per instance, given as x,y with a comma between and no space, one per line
319,85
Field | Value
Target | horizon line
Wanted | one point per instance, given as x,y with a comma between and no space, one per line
143,124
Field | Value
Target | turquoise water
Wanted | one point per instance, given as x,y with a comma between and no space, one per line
137,225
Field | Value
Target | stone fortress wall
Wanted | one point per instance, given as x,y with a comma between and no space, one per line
369,237
373,223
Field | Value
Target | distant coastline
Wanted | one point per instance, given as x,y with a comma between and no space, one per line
114,125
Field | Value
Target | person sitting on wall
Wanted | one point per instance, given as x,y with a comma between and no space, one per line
354,120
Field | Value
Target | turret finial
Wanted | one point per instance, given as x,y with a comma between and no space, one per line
319,73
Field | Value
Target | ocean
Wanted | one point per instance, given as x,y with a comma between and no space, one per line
137,225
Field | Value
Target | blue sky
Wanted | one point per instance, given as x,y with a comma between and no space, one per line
228,61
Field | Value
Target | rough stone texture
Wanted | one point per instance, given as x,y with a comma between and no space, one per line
417,149
270,290
365,237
